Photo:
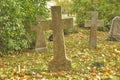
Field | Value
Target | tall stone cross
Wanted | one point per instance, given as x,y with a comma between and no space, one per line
40,44
94,23
59,62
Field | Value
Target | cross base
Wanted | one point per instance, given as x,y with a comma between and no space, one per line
56,66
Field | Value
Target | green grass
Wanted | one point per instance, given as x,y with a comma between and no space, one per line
87,64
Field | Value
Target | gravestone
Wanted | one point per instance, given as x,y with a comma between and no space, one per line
114,33
59,62
57,24
94,23
40,44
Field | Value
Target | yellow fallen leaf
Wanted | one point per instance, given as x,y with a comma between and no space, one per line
117,51
53,78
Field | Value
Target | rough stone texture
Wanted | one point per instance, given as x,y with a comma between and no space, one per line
94,23
40,39
59,62
114,33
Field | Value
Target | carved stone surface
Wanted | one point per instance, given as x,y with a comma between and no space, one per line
94,23
59,62
114,33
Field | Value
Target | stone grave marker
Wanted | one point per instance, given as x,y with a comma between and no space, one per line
114,33
94,23
40,44
57,24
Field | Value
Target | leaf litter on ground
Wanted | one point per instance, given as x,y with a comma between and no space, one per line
87,64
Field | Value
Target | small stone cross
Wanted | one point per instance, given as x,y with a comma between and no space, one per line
94,23
40,44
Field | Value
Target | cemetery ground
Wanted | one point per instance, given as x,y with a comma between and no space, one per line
87,64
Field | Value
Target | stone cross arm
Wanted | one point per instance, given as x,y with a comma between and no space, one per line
98,23
44,25
47,24
94,21
66,23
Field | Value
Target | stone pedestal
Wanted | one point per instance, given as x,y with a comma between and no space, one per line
62,65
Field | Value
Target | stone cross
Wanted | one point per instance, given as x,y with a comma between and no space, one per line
57,24
94,23
40,44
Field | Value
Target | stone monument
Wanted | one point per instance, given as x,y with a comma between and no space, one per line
94,23
59,62
40,44
114,33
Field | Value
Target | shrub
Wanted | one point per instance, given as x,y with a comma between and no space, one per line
15,19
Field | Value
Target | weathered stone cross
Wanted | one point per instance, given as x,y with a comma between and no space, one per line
94,23
57,24
40,39
59,62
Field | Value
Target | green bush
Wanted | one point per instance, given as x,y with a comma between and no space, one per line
107,9
15,19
